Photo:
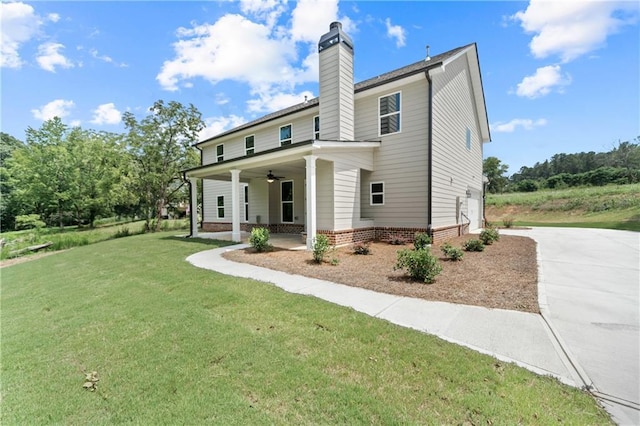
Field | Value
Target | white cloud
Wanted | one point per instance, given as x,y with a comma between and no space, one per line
75,123
106,114
525,123
233,48
18,24
265,10
49,57
396,32
543,81
311,19
56,108
571,29
217,125
96,55
267,102
53,17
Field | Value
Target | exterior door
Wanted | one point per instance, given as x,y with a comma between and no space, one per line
473,212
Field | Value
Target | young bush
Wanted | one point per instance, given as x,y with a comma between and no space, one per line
507,222
397,241
361,248
473,245
320,247
421,240
420,264
489,235
451,252
259,239
29,221
122,232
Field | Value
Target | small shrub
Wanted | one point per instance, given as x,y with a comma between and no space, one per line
397,241
122,232
65,241
29,221
489,235
320,247
361,248
259,239
451,252
473,245
507,222
420,264
334,261
421,240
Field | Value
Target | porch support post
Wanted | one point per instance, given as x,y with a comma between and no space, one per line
235,206
311,199
193,206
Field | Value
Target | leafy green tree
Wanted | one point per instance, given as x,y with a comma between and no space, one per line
493,168
9,207
161,146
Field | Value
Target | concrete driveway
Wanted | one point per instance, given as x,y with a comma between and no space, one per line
590,279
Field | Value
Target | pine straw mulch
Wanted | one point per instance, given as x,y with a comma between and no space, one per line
503,276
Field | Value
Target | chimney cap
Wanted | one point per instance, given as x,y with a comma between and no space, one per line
334,36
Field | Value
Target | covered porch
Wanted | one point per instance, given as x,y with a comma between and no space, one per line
290,189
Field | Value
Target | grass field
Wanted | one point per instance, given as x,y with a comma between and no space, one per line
612,207
173,344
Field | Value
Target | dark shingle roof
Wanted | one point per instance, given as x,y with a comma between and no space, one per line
409,70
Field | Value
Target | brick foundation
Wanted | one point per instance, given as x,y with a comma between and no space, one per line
348,236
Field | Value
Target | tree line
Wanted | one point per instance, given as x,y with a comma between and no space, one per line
621,165
72,176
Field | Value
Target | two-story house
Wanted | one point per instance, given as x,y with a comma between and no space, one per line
393,155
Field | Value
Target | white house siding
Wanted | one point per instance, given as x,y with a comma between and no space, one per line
210,191
455,168
401,161
258,201
324,195
336,93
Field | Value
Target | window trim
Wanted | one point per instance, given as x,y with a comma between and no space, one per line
246,202
282,202
398,112
218,207
290,136
371,193
219,157
315,133
253,148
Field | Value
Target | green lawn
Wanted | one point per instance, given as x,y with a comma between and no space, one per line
173,344
610,207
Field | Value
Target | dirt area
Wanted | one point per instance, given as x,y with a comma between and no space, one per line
22,259
503,276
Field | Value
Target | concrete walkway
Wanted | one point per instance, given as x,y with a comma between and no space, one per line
529,340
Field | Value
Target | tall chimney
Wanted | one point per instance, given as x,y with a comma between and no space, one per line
335,49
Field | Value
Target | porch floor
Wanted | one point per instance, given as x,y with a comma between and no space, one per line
282,241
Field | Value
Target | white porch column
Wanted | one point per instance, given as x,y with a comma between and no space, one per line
193,206
311,199
235,206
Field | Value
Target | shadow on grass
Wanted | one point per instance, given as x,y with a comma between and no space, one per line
205,241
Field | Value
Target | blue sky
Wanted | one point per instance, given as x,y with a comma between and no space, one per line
559,76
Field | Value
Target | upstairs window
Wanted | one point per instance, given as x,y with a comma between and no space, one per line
220,206
220,153
285,135
249,144
377,193
468,139
389,110
316,127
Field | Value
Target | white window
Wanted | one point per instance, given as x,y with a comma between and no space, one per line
377,193
285,135
220,206
249,144
316,127
286,197
246,203
389,110
468,139
220,153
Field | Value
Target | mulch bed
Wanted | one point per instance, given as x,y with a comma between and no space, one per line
503,276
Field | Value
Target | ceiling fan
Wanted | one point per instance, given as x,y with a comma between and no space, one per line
271,177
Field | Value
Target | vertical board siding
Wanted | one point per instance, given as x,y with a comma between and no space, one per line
401,161
455,168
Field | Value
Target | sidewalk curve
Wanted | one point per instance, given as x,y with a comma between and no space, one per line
511,336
